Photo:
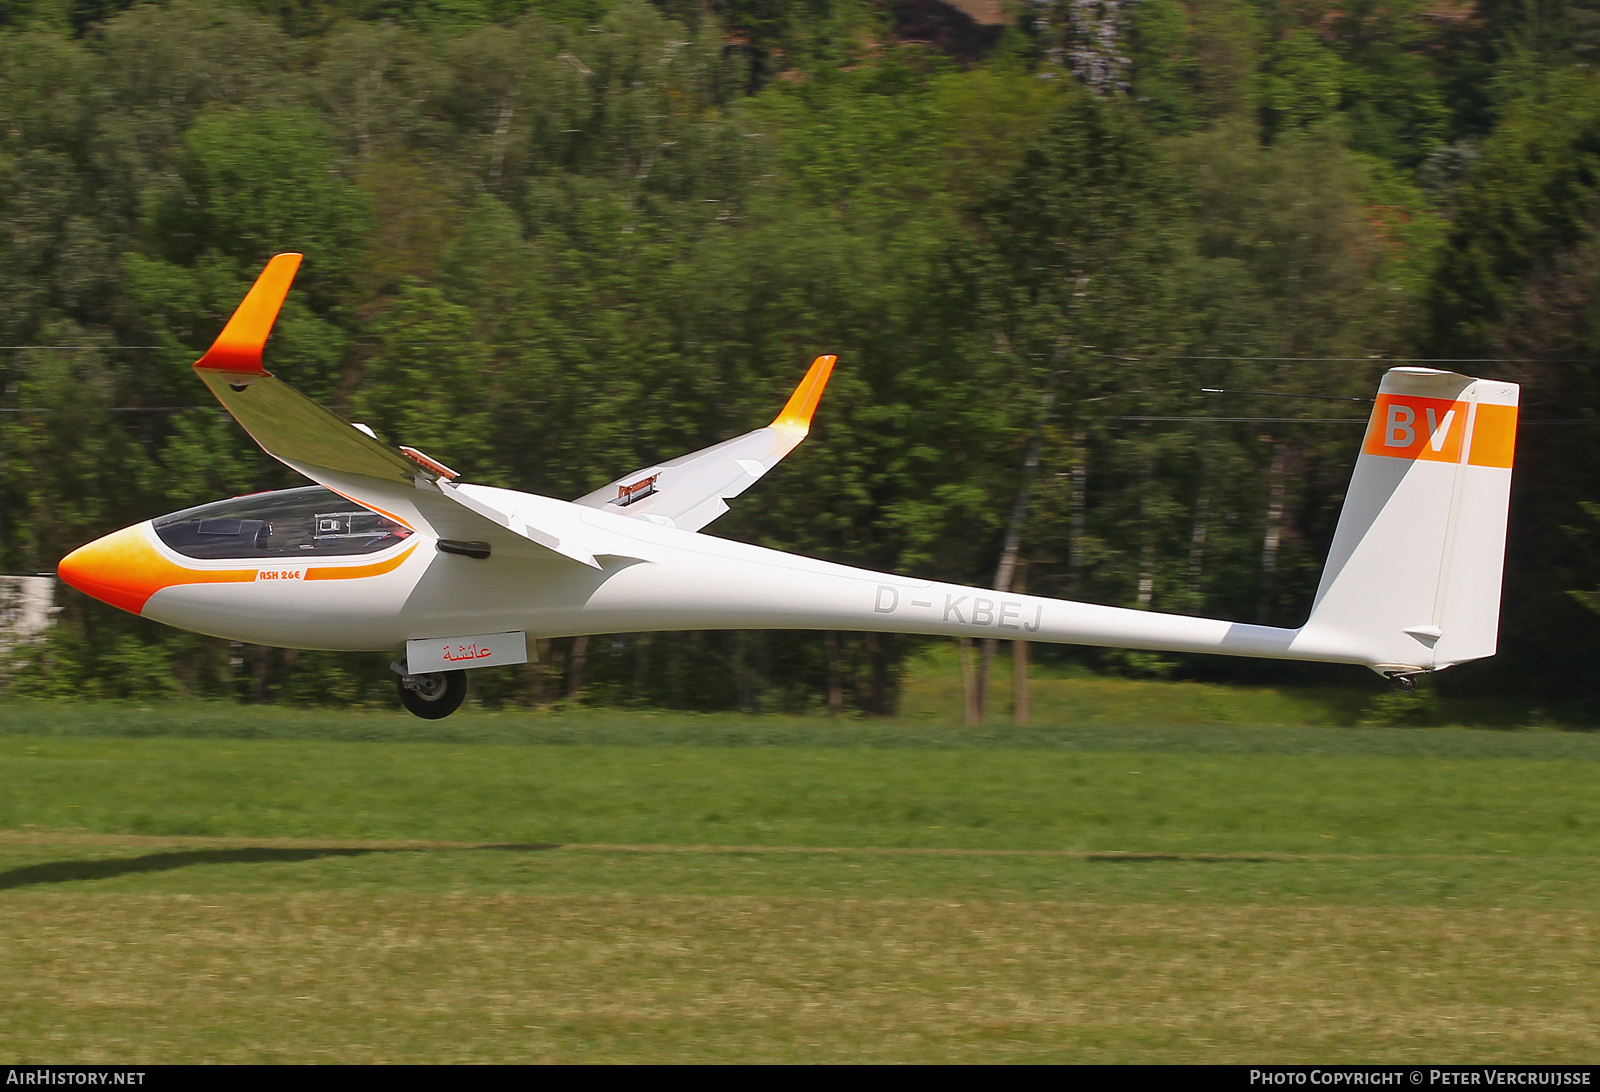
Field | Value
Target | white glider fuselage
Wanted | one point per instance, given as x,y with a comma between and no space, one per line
651,578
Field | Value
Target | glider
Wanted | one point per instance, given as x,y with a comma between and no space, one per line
388,551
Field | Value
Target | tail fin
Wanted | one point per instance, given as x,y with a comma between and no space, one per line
1413,577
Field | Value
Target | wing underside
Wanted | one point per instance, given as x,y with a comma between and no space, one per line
301,434
692,490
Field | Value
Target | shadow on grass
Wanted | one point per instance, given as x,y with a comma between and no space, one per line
1184,858
105,869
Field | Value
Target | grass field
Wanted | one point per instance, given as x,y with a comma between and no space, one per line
1152,872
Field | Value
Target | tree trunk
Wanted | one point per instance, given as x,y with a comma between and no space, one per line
1274,534
1147,539
1080,475
830,644
641,666
1197,540
971,710
675,669
539,672
878,653
743,676
1019,663
575,659
498,145
259,677
1012,544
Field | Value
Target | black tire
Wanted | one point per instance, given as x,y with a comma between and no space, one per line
435,695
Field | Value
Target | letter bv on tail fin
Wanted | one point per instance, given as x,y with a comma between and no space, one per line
1413,577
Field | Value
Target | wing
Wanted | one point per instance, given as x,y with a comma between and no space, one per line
692,490
400,483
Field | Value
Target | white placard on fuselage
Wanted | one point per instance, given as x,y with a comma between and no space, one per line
474,650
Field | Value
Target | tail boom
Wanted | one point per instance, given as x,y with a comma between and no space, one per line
717,584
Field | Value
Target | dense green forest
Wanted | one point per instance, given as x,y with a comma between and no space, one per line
548,241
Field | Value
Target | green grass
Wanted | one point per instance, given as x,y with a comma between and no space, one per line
1172,873
1136,801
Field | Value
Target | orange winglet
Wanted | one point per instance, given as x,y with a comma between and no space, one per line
238,348
796,415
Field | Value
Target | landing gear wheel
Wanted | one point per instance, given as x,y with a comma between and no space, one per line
1403,683
433,695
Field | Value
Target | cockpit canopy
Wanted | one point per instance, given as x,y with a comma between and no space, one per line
306,522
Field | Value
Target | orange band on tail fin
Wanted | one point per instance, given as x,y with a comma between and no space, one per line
1432,429
1494,437
238,347
796,415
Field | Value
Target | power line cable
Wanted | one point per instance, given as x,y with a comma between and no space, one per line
1285,394
1216,359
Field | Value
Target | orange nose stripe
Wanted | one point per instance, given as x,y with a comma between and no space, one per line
125,570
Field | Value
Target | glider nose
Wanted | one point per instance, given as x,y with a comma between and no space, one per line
113,569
